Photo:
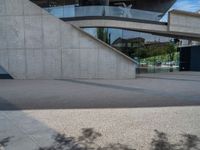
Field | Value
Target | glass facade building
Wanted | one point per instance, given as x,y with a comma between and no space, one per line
150,51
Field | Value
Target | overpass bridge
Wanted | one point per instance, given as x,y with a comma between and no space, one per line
181,24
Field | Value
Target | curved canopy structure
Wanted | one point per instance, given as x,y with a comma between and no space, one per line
149,5
142,9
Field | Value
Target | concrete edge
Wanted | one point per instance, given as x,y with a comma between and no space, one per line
186,13
8,72
181,12
164,32
105,44
112,18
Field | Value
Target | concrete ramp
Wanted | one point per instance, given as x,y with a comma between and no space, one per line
36,45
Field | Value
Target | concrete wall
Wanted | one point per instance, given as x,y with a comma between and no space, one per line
132,25
184,22
36,45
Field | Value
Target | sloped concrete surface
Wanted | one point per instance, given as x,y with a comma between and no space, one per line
36,45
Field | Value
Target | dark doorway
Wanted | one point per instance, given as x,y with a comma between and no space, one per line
190,58
185,58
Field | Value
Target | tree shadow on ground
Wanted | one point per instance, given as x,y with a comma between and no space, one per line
161,142
4,142
87,141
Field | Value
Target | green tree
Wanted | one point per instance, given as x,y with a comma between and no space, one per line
102,34
171,50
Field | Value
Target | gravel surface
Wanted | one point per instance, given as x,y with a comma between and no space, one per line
132,128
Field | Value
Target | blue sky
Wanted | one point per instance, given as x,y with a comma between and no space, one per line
187,5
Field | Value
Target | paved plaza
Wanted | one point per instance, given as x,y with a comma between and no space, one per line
155,111
152,90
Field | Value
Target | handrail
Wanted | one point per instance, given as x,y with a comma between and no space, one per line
68,11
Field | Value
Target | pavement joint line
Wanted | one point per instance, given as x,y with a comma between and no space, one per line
169,78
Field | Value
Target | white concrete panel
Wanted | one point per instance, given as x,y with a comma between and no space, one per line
33,32
69,36
71,63
52,63
132,71
15,31
31,9
107,68
92,63
112,64
14,7
2,7
87,42
35,69
84,56
4,59
184,22
175,19
76,63
51,31
17,63
122,68
104,64
67,65
3,41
